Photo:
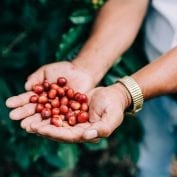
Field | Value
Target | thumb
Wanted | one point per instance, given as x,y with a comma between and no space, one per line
35,78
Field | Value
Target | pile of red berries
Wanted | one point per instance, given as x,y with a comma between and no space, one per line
60,103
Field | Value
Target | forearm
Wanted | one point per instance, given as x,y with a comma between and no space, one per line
114,31
159,77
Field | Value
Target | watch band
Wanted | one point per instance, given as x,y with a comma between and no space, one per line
135,93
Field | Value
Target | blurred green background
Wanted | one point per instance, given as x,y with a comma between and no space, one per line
36,32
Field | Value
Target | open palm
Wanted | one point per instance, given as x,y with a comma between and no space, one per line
77,78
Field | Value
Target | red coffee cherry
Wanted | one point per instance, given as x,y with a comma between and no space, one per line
34,99
55,111
77,96
70,93
72,120
84,107
42,99
61,92
82,117
52,93
55,103
48,105
83,98
38,88
61,81
54,86
64,109
57,121
46,113
46,85
64,100
75,105
39,108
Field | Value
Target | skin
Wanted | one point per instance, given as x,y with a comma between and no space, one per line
107,104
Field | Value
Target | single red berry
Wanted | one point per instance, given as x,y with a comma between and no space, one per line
54,86
61,81
55,103
72,120
77,96
42,99
61,92
46,85
46,113
84,107
52,93
64,109
64,100
48,105
82,117
56,121
55,111
39,108
75,105
70,93
38,88
34,99
83,98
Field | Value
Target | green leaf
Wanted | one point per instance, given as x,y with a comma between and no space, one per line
22,156
69,155
69,40
81,16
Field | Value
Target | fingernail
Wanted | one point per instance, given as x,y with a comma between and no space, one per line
90,134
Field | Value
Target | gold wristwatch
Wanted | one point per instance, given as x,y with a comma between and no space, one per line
135,93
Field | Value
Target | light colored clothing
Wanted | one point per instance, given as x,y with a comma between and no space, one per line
161,28
159,115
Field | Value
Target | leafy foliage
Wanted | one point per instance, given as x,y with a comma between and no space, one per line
37,32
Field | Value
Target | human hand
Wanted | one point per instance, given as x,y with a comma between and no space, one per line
106,112
78,79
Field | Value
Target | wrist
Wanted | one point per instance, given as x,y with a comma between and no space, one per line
125,95
96,73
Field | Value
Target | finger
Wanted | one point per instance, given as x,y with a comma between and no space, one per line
29,120
22,112
42,123
105,126
36,125
19,100
35,78
66,134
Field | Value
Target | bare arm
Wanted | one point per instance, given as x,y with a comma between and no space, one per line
160,76
114,31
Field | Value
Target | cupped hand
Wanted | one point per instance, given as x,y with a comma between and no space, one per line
106,112
78,79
